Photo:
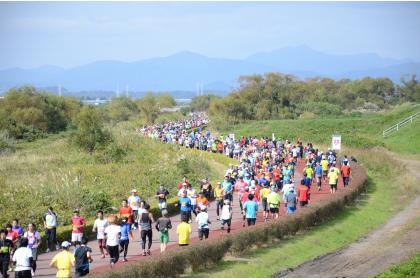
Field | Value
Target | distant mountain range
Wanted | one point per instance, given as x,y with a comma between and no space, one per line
182,71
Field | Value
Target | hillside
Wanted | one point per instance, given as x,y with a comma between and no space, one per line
53,172
364,131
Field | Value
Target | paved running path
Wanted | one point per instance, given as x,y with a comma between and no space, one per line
134,250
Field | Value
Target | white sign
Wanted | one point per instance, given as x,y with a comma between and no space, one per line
232,136
336,142
273,137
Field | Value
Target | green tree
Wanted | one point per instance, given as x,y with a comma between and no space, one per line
202,103
90,134
410,89
121,109
149,108
165,101
28,114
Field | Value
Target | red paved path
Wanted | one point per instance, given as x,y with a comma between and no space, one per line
134,250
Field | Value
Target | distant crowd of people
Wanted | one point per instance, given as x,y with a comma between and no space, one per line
264,178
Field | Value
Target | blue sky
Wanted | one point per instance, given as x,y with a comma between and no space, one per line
68,34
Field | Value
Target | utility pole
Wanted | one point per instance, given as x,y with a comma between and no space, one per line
59,90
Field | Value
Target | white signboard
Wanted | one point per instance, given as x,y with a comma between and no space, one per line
273,137
232,136
336,142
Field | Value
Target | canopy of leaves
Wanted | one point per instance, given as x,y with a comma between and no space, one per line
165,100
278,96
202,103
149,107
121,109
26,113
90,133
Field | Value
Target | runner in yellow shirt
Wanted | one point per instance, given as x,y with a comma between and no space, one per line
263,195
333,176
324,164
309,171
63,261
183,230
273,200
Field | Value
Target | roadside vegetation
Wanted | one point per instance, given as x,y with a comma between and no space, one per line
407,269
84,156
275,96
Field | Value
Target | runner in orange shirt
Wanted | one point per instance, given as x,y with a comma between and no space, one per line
345,172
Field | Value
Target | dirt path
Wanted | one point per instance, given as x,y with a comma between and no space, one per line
390,244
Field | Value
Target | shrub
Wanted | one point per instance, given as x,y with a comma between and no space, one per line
6,143
112,153
90,134
28,114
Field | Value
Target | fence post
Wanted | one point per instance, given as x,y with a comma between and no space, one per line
411,119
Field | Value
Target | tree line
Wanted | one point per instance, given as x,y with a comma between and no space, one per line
27,114
279,96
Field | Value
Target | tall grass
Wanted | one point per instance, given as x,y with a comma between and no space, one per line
53,172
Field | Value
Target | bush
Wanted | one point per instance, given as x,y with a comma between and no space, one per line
6,143
90,134
28,114
112,153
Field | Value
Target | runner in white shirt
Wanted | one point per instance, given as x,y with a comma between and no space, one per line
181,190
113,235
192,194
134,202
23,260
99,227
34,240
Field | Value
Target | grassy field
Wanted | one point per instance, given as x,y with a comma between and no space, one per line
406,269
388,182
53,172
364,131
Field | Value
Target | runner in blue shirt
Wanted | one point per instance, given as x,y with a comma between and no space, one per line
228,188
250,209
124,240
185,205
318,175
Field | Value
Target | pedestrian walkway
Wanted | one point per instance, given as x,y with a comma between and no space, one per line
134,251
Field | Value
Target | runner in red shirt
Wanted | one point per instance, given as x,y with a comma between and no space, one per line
12,235
245,199
184,180
78,224
126,212
345,172
303,194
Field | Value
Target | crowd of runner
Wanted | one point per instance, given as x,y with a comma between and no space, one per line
264,178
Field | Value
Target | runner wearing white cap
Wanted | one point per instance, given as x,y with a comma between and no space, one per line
134,202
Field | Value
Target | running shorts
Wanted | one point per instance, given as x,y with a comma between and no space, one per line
164,237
